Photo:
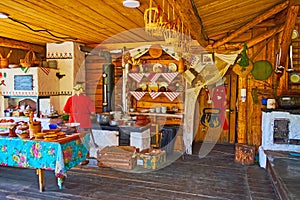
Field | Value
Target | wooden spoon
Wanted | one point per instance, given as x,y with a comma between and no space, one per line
8,55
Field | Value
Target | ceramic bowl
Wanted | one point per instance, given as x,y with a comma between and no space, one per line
113,123
52,126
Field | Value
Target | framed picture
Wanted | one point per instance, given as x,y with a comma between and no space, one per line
207,58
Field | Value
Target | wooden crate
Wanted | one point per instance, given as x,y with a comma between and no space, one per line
151,158
244,154
121,157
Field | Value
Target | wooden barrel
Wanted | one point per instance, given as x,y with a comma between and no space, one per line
34,127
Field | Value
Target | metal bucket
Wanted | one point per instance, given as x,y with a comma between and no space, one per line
103,119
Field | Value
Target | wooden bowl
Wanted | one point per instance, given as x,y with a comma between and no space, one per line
23,135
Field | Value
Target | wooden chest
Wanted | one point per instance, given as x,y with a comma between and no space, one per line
244,154
121,157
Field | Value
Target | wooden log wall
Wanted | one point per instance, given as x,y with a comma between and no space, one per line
274,86
250,112
94,83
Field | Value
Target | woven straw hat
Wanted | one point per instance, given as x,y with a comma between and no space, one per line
77,87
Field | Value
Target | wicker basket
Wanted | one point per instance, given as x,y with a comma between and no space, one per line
29,60
23,135
34,127
3,62
152,21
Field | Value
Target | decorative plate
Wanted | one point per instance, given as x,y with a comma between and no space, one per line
155,51
295,78
295,34
157,68
172,67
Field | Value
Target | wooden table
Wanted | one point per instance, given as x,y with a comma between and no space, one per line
59,155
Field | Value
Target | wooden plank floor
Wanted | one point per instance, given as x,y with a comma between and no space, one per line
216,176
285,172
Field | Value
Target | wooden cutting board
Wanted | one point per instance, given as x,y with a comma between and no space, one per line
239,69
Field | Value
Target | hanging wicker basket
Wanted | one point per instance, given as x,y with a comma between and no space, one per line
152,21
29,60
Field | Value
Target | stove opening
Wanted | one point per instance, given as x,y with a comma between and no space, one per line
281,131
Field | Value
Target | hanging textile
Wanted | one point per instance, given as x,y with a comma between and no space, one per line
210,74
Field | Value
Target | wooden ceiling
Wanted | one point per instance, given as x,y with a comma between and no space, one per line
212,23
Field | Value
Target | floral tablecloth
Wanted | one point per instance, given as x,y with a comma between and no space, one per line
45,155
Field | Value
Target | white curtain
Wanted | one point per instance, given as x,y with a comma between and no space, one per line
210,74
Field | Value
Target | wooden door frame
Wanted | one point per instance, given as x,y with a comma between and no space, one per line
232,112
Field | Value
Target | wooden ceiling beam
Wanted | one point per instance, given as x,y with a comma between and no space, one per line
4,42
252,23
191,20
264,36
295,2
289,26
250,43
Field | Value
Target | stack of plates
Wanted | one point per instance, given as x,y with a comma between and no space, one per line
13,65
172,67
4,132
50,137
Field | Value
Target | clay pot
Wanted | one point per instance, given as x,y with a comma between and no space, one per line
135,69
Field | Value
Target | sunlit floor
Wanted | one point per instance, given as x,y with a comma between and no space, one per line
285,171
216,176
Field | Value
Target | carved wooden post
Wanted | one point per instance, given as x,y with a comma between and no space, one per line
242,112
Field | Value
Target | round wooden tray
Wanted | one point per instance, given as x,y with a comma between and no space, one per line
155,51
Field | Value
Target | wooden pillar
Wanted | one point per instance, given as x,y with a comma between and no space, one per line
242,112
287,33
232,108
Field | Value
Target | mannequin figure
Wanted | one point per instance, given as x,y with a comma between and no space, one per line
80,107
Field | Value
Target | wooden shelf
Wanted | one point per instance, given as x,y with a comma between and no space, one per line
177,115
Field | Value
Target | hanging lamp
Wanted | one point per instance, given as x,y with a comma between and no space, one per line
131,3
